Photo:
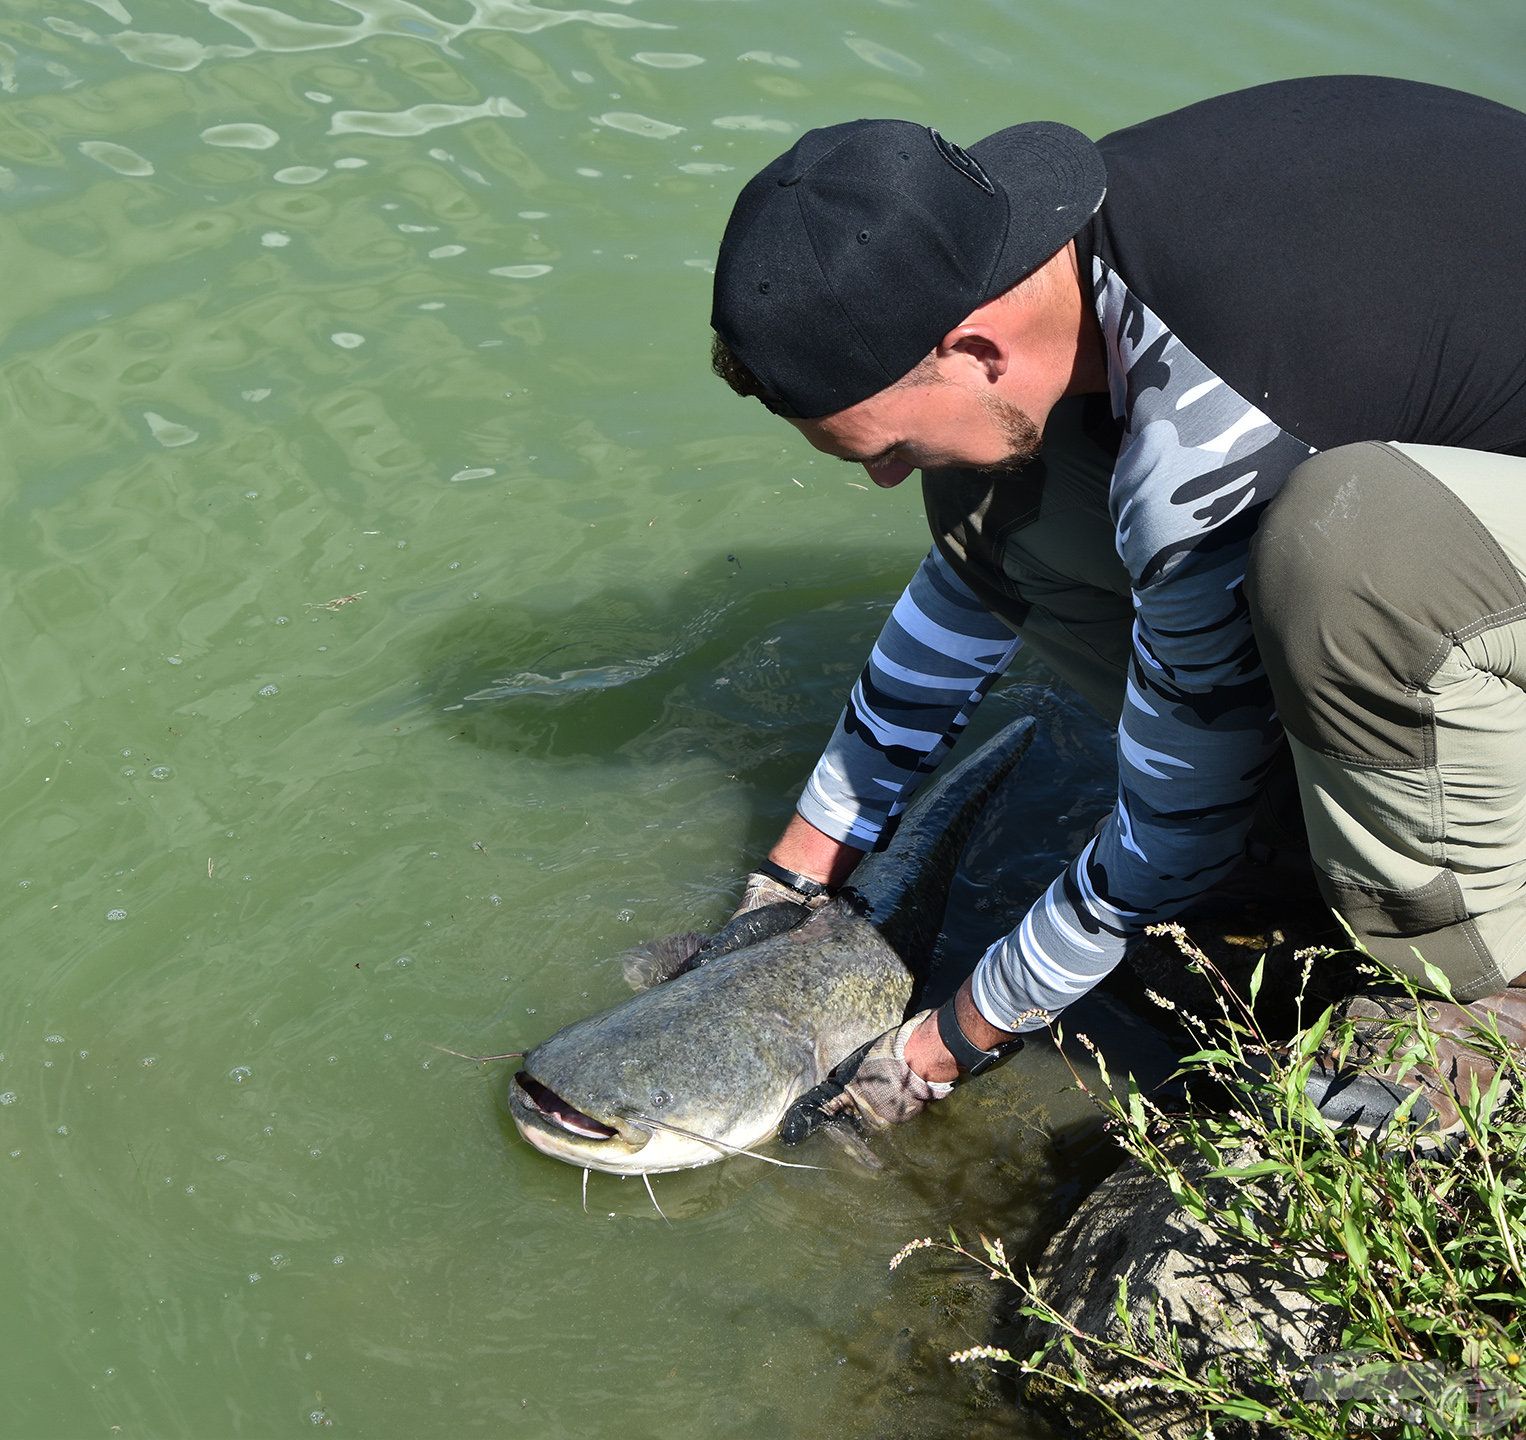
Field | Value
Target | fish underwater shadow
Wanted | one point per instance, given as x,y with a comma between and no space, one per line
745,655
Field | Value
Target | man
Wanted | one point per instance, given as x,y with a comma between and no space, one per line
1268,353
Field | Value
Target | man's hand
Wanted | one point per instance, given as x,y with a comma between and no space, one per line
894,1077
874,1086
761,890
804,849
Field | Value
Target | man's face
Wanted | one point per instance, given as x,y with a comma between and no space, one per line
927,427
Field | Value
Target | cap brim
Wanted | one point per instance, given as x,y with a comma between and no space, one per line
1054,179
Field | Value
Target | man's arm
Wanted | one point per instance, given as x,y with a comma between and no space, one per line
934,660
1196,736
936,657
807,851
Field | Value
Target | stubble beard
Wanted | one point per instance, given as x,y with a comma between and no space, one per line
1023,437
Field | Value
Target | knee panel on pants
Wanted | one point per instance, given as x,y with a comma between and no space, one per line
1364,574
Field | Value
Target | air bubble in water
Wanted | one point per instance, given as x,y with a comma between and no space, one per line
8,1097
53,1040
270,690
116,914
240,1073
160,772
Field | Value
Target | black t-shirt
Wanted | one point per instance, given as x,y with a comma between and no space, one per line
1347,252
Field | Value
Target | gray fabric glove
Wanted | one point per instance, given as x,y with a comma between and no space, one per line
876,1086
762,890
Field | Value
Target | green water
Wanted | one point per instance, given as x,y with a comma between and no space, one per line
403,305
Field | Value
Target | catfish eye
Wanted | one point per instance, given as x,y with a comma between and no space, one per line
661,1098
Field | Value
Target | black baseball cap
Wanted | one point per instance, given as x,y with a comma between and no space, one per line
848,259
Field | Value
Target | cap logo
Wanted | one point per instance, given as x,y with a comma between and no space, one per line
962,161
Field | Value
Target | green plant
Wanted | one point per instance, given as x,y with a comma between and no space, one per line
1418,1251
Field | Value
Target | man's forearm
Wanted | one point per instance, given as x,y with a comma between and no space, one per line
804,848
937,655
929,1057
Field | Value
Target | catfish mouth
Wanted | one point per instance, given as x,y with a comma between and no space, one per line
550,1106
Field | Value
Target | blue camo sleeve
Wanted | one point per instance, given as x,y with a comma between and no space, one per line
938,654
1198,730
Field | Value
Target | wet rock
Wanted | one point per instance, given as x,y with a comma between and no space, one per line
1185,1286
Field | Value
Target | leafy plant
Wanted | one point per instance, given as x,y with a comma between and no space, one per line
1416,1248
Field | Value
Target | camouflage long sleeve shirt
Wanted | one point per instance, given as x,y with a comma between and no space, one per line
1197,465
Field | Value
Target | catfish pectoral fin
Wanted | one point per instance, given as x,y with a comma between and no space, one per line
751,926
658,960
847,1134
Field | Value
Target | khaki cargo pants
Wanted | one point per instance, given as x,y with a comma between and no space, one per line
1387,593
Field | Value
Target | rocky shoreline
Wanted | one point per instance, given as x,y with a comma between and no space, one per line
1188,1296
1185,1293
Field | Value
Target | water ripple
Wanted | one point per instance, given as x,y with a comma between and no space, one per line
634,124
882,57
247,136
116,157
419,119
271,30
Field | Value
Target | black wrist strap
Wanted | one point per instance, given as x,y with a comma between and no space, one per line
802,885
968,1056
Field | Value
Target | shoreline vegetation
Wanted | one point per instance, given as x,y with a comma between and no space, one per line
1288,1278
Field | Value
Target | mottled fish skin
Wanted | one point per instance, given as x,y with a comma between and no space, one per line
723,1048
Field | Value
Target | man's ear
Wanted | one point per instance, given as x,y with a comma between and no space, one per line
979,347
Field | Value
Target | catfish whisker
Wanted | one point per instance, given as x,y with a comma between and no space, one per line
647,1181
480,1059
720,1144
585,1189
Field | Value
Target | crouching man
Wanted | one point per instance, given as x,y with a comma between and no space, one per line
1223,415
